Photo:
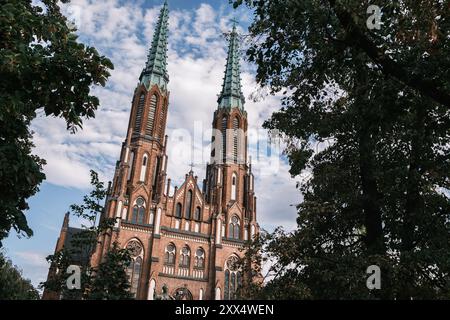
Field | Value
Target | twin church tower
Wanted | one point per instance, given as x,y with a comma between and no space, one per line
185,240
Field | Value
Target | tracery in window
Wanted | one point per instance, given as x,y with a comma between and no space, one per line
199,261
185,257
233,278
169,256
135,267
138,213
234,228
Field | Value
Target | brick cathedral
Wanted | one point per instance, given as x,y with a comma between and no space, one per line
185,240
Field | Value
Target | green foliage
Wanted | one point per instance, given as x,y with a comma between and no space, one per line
108,280
410,47
111,280
12,284
376,145
43,70
250,265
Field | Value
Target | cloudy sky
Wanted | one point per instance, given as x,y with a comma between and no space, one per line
122,30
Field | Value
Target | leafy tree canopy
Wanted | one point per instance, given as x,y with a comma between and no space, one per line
43,70
12,284
108,280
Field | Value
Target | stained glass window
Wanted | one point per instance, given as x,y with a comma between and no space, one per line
134,269
185,256
178,210
199,259
189,205
233,278
169,257
234,228
138,214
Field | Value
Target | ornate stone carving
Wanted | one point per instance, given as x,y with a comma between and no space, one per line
134,247
232,263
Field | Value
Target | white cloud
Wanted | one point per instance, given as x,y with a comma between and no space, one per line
33,259
33,265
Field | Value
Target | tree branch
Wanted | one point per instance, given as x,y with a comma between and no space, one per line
357,38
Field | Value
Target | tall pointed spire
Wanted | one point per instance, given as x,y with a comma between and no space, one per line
155,71
231,95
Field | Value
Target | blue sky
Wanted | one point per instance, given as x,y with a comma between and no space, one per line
122,30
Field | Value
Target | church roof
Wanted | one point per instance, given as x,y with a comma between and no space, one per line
78,255
190,177
231,95
155,71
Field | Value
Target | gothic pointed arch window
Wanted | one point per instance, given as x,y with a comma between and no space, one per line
198,214
138,213
234,186
185,257
135,267
151,115
155,177
224,139
213,148
235,139
234,228
178,210
130,169
144,168
162,116
187,214
139,113
199,261
223,228
151,218
252,231
217,295
233,278
169,255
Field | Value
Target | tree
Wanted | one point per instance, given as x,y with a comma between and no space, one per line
43,69
12,284
378,192
345,23
111,280
250,264
108,280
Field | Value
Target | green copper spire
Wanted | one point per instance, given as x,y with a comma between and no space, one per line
155,71
231,95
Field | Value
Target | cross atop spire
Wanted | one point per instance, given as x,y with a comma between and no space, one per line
155,71
231,95
235,22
